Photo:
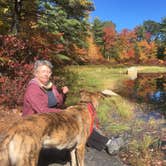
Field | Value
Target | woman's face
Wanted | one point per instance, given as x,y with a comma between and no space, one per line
43,74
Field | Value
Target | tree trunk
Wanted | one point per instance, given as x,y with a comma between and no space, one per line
16,16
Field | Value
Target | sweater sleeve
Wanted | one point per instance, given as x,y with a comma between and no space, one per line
36,98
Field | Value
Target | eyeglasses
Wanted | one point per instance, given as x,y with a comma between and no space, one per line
44,71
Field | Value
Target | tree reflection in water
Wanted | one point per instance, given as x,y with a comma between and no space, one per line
148,89
159,96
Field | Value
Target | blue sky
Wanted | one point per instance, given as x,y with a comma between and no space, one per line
129,13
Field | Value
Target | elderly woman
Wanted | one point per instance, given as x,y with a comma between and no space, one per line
41,95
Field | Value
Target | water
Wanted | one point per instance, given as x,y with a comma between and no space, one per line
147,89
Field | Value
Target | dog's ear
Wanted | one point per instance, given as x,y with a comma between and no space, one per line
100,95
92,97
82,92
85,96
96,97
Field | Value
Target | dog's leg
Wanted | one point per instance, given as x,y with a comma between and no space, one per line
80,152
73,158
23,150
27,162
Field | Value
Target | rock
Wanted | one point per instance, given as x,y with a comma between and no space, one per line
109,92
132,73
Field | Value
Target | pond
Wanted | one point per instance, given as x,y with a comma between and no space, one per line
148,89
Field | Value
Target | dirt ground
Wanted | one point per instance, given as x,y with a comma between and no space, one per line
92,158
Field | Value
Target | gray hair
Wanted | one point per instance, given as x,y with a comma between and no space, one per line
42,63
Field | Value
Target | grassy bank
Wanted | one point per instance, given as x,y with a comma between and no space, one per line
151,69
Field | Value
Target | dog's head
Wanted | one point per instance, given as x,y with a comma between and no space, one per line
90,97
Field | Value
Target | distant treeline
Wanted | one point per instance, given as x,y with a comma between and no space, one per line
144,44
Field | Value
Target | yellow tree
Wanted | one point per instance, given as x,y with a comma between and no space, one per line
94,53
147,51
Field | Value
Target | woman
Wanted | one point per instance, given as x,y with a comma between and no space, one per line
42,96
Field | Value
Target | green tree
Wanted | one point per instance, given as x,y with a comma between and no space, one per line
97,30
162,40
5,16
29,19
163,30
17,16
68,18
140,32
153,28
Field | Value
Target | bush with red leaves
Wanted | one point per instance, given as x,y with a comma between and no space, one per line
16,59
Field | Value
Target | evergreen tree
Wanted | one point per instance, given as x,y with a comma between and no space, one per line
97,30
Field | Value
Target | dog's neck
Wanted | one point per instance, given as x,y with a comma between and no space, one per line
95,105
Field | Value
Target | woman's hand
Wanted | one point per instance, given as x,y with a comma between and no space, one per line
65,89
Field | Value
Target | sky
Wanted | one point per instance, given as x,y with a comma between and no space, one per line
129,13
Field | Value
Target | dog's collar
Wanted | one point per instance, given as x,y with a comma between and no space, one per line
92,112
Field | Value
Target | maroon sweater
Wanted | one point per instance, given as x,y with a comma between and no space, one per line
36,99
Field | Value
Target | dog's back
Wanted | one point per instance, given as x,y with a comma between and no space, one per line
20,144
69,129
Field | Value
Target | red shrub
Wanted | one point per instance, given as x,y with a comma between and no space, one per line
12,87
16,57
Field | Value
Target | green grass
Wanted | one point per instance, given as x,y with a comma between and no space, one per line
101,77
151,69
97,78
141,153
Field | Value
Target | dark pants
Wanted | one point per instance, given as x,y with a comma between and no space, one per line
97,141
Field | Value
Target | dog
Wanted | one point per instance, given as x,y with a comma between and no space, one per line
68,129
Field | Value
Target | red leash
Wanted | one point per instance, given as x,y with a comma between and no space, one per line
93,116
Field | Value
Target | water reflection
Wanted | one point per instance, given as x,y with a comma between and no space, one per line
159,96
147,88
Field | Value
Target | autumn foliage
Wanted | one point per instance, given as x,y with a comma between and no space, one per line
125,47
16,62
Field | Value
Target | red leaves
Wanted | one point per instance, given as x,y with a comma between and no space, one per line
12,87
109,36
14,70
16,58
2,79
11,45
